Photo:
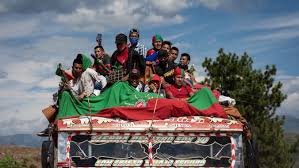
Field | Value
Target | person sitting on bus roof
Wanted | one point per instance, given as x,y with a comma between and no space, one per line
86,81
157,41
70,86
184,64
135,43
174,52
123,60
179,90
134,80
101,61
165,68
154,85
166,45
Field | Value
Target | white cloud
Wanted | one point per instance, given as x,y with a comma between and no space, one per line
290,105
117,14
155,19
27,71
182,44
21,106
291,88
231,5
212,4
20,126
290,83
29,80
17,28
82,19
22,91
176,36
169,6
2,8
276,35
274,28
79,15
287,21
36,64
58,48
93,17
49,82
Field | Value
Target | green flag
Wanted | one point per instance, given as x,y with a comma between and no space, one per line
119,94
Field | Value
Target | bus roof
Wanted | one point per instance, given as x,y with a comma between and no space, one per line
174,124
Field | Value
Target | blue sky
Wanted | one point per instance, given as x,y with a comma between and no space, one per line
36,35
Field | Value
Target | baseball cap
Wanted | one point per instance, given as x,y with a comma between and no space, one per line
134,73
120,38
155,77
157,37
179,71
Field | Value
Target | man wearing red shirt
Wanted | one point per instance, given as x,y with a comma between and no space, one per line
179,90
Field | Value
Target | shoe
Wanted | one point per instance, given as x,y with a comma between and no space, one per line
43,133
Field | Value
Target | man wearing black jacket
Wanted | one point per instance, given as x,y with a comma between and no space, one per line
124,59
165,68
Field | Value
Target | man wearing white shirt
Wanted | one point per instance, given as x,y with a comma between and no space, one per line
134,42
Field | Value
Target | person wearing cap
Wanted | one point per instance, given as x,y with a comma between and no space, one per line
179,90
134,80
124,59
134,42
154,85
164,68
157,41
152,56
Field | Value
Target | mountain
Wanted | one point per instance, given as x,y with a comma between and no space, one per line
28,140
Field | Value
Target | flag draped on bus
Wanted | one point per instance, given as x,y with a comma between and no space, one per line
122,100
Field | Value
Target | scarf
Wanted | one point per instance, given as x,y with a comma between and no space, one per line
123,56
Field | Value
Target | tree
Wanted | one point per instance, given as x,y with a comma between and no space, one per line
257,96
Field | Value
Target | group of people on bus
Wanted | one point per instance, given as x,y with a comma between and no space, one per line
153,71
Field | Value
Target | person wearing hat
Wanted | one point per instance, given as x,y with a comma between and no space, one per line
134,80
124,59
157,41
164,67
154,85
135,44
152,56
179,90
